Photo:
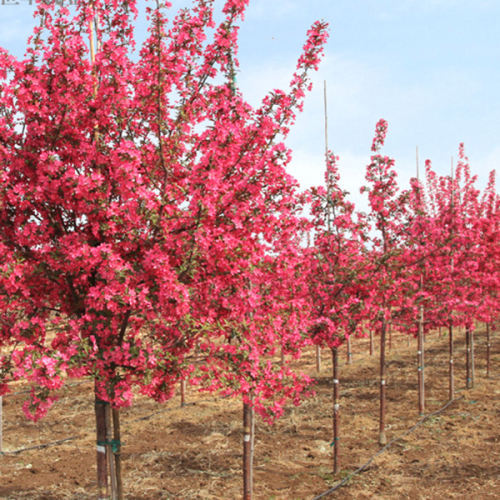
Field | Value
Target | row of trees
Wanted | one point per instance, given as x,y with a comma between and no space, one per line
149,231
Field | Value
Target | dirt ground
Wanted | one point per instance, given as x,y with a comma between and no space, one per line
194,452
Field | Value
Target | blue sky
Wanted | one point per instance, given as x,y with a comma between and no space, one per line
429,67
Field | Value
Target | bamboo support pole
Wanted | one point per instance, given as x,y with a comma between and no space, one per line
102,466
117,453
110,453
488,349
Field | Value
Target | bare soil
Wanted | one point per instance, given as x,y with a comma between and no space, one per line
194,452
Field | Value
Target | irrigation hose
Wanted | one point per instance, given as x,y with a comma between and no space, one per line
382,450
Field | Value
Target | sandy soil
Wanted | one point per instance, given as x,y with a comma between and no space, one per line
194,452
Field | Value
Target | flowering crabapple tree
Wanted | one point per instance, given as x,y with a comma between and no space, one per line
468,252
388,207
144,206
335,281
422,244
489,263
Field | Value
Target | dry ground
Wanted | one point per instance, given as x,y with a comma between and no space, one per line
194,452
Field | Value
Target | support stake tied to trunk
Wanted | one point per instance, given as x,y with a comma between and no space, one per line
117,453
102,463
110,452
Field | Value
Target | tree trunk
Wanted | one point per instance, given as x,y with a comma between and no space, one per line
382,437
183,392
318,358
421,364
336,411
488,347
451,377
349,352
248,427
1,423
371,342
468,384
472,359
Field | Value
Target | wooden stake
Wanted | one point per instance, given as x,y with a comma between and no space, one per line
420,336
117,453
371,342
102,466
336,411
110,452
326,119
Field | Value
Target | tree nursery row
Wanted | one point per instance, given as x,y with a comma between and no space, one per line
150,233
